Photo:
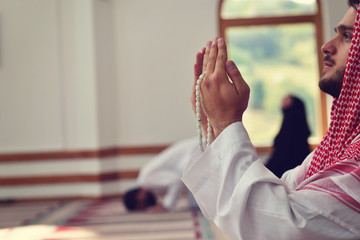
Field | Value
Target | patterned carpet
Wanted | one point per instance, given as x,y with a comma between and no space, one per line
100,220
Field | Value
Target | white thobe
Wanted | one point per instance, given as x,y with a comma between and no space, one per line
163,173
248,202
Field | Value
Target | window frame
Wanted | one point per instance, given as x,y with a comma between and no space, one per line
315,19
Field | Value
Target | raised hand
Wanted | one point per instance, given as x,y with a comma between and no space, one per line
222,102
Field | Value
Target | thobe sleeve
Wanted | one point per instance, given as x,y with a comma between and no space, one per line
172,195
247,201
162,173
166,168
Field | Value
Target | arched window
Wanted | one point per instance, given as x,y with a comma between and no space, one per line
277,46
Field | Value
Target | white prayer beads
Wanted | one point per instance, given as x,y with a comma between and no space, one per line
198,114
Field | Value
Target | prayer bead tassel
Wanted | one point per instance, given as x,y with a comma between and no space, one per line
198,114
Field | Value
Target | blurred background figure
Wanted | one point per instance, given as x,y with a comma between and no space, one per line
290,146
161,178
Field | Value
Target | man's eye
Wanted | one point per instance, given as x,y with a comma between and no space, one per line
347,36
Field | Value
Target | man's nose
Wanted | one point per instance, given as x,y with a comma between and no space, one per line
329,48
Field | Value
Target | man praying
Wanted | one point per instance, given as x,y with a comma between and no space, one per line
320,199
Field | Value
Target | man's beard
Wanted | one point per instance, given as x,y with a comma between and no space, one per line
333,84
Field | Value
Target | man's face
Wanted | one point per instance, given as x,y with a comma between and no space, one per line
336,51
141,199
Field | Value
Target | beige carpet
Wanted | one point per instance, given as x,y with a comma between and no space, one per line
100,220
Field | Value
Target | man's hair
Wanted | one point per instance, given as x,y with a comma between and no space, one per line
354,3
131,202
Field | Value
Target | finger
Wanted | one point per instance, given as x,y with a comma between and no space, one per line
206,55
198,65
221,56
197,73
203,54
210,66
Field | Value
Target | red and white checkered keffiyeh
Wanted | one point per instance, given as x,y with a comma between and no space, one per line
338,144
335,167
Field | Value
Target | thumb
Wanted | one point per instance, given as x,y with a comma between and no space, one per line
236,77
233,71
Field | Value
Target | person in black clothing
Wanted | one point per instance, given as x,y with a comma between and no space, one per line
290,145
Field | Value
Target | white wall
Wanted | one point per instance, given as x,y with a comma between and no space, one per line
86,74
30,102
90,74
156,42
